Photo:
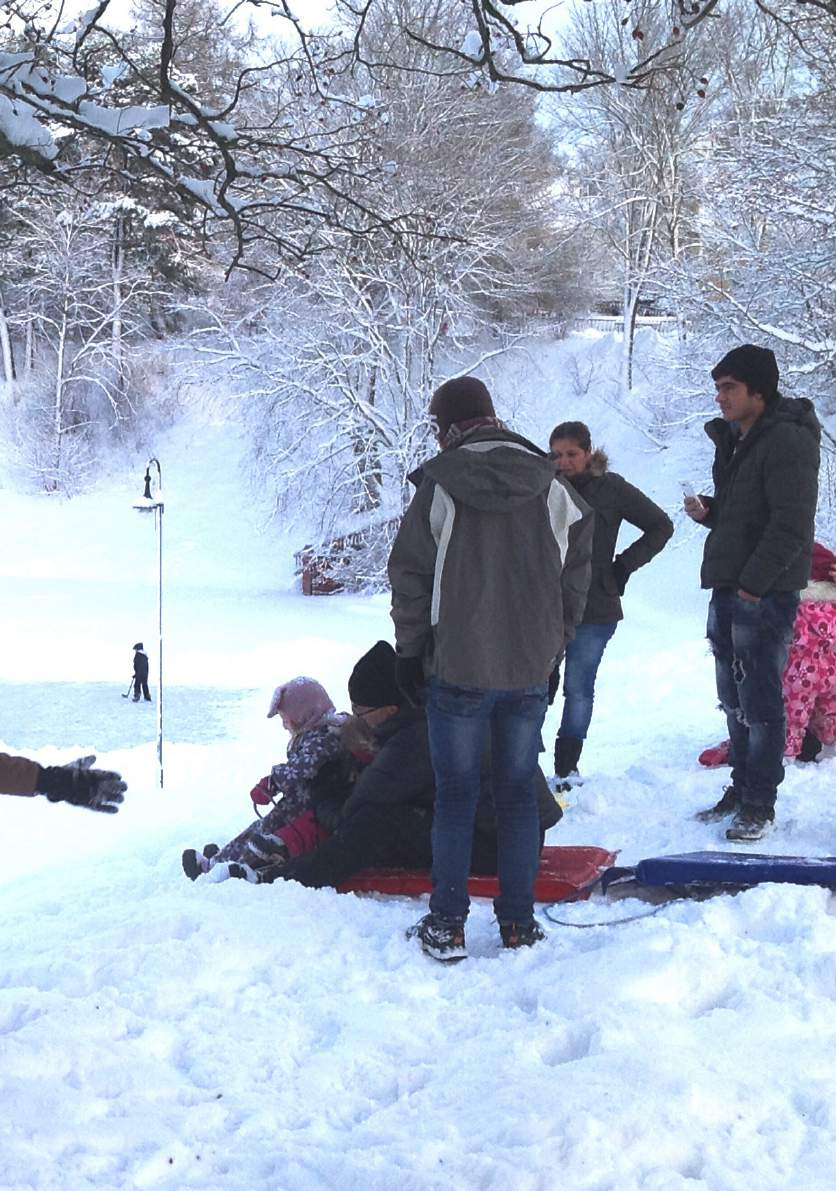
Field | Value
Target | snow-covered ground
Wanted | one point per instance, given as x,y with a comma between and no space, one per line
156,1033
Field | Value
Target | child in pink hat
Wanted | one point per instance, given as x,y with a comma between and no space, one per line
289,827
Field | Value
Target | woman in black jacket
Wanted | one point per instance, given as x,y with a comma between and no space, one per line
613,501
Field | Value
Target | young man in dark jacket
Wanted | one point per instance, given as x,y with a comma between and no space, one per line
489,574
756,560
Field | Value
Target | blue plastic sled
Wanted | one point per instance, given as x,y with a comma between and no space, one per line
726,868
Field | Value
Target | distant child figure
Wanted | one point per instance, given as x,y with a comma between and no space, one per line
290,827
141,673
809,680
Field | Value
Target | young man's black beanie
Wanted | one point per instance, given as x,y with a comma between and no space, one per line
372,682
755,366
459,400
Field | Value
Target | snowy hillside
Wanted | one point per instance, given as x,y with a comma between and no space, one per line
159,1034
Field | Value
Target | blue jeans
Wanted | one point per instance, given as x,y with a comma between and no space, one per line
750,642
461,720
583,657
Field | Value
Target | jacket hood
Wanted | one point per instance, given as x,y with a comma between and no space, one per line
599,463
494,470
799,410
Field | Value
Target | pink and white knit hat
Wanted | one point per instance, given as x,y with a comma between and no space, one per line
303,702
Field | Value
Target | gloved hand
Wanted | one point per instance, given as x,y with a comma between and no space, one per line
554,681
78,783
262,794
410,680
621,575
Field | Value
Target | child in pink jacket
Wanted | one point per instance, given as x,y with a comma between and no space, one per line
289,828
809,681
810,675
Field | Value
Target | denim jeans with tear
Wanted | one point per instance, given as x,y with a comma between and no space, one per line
461,720
750,642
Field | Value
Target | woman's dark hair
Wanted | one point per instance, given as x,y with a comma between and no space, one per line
577,431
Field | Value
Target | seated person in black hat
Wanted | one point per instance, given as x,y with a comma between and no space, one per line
378,798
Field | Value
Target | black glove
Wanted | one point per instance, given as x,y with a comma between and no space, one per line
97,789
410,680
554,681
621,575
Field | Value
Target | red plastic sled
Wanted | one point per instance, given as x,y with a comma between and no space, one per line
564,873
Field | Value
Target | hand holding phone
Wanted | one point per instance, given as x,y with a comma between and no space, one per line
694,507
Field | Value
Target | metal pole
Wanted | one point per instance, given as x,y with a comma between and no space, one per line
159,528
145,504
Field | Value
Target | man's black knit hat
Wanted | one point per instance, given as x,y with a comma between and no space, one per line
459,400
755,366
372,682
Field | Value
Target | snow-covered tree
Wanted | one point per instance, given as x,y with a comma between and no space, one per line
522,44
765,251
76,301
89,96
629,154
349,347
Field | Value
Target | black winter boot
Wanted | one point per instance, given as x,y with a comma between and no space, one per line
514,935
191,864
441,939
750,824
811,746
567,753
727,805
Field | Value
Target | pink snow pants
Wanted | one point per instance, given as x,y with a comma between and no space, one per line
810,675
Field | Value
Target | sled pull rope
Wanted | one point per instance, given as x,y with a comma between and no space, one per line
612,921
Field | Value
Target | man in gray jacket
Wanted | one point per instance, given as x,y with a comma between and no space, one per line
757,559
489,574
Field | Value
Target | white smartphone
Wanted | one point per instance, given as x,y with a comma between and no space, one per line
688,491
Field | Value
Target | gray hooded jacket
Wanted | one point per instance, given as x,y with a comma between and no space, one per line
491,565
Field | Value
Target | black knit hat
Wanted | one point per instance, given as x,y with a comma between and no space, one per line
459,400
372,682
755,366
138,645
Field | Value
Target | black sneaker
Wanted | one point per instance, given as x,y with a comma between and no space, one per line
191,864
727,805
516,935
749,824
439,938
